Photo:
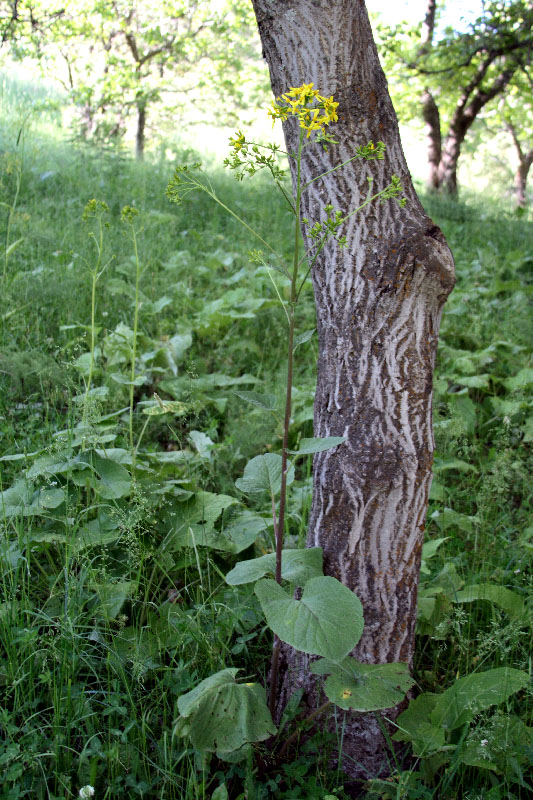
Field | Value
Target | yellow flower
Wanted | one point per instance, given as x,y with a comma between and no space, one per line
306,103
238,142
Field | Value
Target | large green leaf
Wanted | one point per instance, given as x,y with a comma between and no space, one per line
474,693
297,566
511,602
364,687
109,479
222,715
240,532
317,445
414,726
263,474
327,621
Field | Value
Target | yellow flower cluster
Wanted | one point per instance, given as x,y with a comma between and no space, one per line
238,141
312,109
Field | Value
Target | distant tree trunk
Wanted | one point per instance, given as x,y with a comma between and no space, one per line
525,159
379,303
430,109
431,114
141,127
446,177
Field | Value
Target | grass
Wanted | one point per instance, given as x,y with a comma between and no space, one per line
107,613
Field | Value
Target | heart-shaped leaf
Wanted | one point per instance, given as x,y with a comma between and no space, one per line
263,474
327,621
364,687
297,567
223,715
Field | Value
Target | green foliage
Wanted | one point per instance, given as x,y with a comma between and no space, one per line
111,610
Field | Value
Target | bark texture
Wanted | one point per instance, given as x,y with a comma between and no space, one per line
379,303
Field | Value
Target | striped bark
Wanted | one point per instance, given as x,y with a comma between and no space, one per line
379,303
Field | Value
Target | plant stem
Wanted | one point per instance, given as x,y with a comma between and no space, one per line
286,425
134,347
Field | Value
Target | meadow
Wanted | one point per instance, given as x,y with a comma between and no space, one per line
130,348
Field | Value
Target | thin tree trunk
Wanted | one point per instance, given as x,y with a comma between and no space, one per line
520,182
379,303
525,159
446,178
141,127
431,114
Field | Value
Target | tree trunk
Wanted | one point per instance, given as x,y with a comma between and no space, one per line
520,182
446,179
525,159
431,114
141,126
379,303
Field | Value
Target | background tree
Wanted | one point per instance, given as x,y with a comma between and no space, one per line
125,58
378,304
515,112
458,75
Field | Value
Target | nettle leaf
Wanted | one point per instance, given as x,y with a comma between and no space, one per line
414,726
364,687
267,401
317,445
223,715
474,693
327,621
297,567
263,474
511,602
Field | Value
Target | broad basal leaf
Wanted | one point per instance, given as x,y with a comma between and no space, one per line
474,693
223,715
327,621
297,567
364,687
511,602
263,474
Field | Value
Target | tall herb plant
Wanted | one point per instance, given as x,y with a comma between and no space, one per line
220,714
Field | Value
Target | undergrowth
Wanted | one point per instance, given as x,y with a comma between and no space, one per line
109,610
